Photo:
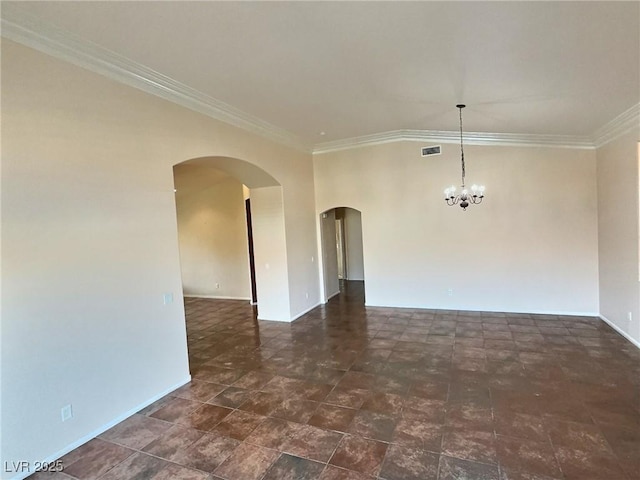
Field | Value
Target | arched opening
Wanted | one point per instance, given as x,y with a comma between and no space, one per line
342,252
230,219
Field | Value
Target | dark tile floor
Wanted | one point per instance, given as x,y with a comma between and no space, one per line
352,393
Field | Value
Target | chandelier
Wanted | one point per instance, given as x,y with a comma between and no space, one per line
464,198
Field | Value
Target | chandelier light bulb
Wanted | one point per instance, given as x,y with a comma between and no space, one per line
449,192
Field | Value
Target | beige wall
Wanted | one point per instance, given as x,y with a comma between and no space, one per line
300,231
530,247
270,253
212,233
618,233
90,246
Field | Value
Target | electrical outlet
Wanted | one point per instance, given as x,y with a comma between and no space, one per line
217,285
167,298
66,413
630,316
307,295
450,292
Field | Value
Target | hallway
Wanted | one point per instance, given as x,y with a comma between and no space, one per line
349,392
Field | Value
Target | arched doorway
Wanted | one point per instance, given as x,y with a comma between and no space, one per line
214,234
342,249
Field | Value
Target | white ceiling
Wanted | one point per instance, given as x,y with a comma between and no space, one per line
359,68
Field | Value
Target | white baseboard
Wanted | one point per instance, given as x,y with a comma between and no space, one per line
103,428
620,331
333,295
218,297
305,312
515,312
273,319
292,319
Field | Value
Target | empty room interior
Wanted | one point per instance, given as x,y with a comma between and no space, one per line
320,240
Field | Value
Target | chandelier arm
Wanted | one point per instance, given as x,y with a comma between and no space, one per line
470,199
451,201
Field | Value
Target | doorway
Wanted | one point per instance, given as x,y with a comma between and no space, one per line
231,249
342,250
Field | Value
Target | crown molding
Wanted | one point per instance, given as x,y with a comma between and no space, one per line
470,138
23,28
623,123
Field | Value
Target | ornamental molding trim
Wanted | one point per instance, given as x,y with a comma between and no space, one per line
623,123
470,138
25,29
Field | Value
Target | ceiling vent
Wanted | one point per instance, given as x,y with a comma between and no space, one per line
428,151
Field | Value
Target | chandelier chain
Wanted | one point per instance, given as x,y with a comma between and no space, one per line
461,148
